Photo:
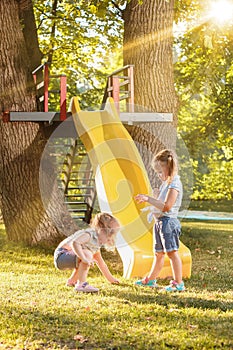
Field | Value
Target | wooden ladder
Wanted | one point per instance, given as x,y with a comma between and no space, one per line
77,181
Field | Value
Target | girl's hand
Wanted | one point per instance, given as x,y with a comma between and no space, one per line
141,198
115,281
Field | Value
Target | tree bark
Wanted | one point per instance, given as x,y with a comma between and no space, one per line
148,44
22,143
27,19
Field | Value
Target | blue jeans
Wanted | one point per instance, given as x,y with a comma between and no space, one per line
167,232
65,259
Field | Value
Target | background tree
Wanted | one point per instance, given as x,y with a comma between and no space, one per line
22,143
148,45
204,82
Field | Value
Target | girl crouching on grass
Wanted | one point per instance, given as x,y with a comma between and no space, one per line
167,227
82,249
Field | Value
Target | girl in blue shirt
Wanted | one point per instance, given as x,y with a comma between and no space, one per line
165,203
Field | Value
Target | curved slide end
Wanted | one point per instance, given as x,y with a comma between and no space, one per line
120,175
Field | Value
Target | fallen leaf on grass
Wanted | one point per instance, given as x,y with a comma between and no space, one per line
149,318
192,326
211,252
80,338
173,309
219,251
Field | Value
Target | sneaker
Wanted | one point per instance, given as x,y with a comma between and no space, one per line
147,283
86,288
175,287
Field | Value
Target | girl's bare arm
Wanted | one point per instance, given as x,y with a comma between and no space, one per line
104,268
78,250
163,206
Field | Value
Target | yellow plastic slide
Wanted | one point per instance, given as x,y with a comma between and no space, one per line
120,175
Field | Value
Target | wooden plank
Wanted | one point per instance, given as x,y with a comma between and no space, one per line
134,117
34,116
63,97
129,118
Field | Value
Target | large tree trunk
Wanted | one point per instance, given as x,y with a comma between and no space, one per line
148,44
22,143
27,19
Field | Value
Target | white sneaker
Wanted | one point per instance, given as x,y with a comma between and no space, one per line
85,288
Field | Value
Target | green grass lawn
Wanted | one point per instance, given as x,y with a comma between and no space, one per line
212,205
38,311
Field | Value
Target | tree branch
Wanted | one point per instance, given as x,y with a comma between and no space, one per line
54,12
117,7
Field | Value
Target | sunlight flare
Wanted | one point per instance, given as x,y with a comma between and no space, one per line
221,11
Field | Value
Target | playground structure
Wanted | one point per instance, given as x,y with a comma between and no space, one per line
120,175
113,162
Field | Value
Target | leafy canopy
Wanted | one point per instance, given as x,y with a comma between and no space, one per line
81,40
203,72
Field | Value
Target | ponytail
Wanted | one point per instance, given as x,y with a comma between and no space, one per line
169,158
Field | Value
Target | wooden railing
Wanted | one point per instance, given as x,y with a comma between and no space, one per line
42,79
120,86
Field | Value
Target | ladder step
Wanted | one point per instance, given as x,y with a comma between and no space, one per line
80,195
61,145
77,210
78,163
81,188
80,154
75,179
78,215
56,154
82,172
76,203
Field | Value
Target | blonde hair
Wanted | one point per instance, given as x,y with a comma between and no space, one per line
105,221
166,157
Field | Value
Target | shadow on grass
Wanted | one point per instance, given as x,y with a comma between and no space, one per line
180,299
47,329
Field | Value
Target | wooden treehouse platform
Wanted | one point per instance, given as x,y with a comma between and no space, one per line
120,86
